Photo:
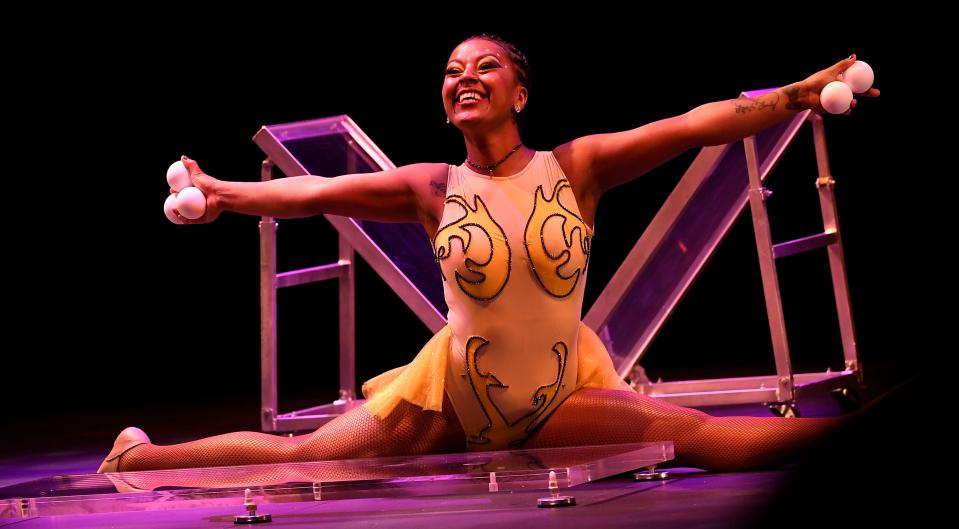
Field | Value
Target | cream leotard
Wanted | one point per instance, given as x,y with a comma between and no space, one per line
513,253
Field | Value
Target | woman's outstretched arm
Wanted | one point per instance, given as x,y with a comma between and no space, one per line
393,195
604,161
724,122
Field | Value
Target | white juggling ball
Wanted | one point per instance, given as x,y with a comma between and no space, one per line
178,177
168,208
835,98
859,77
191,203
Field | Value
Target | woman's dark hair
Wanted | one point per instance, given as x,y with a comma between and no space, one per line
516,55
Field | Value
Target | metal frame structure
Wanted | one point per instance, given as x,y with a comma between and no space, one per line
352,239
779,390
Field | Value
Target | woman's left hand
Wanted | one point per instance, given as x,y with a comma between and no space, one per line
812,86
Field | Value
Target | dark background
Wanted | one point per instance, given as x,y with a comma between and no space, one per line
123,318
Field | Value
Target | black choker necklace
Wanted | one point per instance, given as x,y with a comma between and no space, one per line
489,168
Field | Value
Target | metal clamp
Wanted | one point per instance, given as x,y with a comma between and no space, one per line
555,499
651,474
251,516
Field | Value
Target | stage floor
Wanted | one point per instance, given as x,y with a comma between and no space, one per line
691,498
847,480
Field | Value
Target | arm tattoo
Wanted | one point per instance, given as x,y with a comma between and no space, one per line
792,91
748,104
438,187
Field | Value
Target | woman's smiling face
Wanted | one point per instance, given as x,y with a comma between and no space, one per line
481,84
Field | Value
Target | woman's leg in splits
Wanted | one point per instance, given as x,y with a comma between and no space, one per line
408,430
602,416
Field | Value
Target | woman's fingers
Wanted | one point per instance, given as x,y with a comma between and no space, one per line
191,166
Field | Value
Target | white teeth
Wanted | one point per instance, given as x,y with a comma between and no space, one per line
469,95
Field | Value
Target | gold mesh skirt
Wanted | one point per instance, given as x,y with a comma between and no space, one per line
422,381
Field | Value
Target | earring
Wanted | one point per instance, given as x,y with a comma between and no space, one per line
447,120
517,108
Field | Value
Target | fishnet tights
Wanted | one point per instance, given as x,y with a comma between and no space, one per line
600,416
356,434
588,416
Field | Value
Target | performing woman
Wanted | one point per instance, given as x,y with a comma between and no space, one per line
511,230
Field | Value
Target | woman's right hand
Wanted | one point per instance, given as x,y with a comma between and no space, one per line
206,184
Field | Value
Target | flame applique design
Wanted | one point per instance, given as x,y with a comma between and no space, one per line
545,264
495,268
500,433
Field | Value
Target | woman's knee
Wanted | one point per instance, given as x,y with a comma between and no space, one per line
625,412
434,431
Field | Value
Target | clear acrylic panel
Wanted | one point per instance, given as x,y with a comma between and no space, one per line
440,474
